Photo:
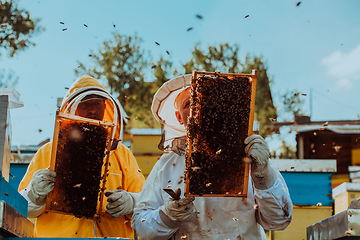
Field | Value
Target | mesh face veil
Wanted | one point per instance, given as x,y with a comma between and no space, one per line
163,109
83,88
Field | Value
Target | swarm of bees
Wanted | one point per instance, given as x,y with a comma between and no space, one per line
78,166
217,127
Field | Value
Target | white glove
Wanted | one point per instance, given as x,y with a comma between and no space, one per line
120,203
258,150
174,212
41,185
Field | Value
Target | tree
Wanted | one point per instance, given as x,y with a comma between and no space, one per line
292,103
287,151
264,106
122,63
163,71
225,58
16,28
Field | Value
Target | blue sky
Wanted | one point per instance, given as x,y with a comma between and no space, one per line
315,45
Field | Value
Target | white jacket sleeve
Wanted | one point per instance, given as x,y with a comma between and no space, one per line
274,207
33,209
146,218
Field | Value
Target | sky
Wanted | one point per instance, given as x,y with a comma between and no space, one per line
312,47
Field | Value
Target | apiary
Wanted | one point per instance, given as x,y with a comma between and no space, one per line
343,225
344,194
309,184
221,117
78,152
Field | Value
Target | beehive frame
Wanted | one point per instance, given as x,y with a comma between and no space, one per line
51,198
243,192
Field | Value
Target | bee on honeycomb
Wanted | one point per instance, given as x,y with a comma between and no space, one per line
81,146
217,127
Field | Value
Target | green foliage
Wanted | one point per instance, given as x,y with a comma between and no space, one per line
287,151
122,63
163,71
292,103
264,106
223,58
16,27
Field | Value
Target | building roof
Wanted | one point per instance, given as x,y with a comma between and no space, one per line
338,126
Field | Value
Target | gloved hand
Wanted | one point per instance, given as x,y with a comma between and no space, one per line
174,212
258,150
120,203
41,185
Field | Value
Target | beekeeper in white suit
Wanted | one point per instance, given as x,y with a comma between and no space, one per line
158,216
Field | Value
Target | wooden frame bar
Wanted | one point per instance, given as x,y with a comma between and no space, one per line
253,79
58,119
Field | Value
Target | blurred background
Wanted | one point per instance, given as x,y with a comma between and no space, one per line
306,53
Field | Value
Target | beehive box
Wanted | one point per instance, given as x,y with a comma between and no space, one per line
344,225
308,180
144,142
344,194
309,184
221,117
302,217
78,152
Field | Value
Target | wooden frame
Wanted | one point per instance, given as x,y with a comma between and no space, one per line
62,117
252,79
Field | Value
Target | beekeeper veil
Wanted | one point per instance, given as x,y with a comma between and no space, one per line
163,108
85,87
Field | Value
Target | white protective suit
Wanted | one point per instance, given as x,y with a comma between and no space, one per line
219,217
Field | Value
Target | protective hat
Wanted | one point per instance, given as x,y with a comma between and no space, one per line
163,109
85,87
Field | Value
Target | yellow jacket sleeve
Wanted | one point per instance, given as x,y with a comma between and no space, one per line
41,160
123,173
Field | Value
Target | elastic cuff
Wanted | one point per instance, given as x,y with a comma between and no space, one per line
167,221
36,199
266,181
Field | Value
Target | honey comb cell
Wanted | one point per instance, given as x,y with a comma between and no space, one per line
217,127
79,160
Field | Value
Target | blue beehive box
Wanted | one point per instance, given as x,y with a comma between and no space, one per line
8,99
11,196
308,180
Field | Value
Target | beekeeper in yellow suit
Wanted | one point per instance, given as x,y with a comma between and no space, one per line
87,98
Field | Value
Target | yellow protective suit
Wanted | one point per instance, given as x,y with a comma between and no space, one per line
123,173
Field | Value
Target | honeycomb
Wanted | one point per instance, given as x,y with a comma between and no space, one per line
217,127
79,160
